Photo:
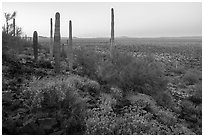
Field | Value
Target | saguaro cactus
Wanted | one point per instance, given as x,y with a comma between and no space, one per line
70,46
35,45
51,39
57,43
112,30
14,30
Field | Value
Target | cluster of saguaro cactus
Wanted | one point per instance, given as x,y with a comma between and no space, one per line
57,46
14,29
70,46
35,45
112,31
57,43
51,39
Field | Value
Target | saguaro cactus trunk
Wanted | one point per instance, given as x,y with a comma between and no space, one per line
70,46
35,45
14,29
112,31
57,43
51,39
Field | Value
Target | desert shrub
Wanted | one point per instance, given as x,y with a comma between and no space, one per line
197,95
58,95
144,101
178,70
192,109
142,75
192,113
86,62
42,63
110,69
164,99
192,77
130,73
15,43
139,75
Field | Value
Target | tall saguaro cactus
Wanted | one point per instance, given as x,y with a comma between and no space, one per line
112,30
14,29
57,43
70,46
35,45
51,39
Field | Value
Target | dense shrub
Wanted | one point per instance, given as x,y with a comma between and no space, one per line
192,113
59,97
143,75
178,70
140,75
192,77
129,73
15,43
192,109
86,62
197,95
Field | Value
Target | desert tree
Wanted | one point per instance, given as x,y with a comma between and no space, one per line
8,17
18,31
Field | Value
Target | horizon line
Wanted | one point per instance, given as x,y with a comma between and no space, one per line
184,36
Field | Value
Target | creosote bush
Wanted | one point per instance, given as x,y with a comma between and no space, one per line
192,109
178,70
197,95
86,62
59,94
139,75
192,77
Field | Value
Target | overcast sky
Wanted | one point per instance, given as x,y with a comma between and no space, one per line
93,19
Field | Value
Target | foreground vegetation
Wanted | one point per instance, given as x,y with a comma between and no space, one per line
140,92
